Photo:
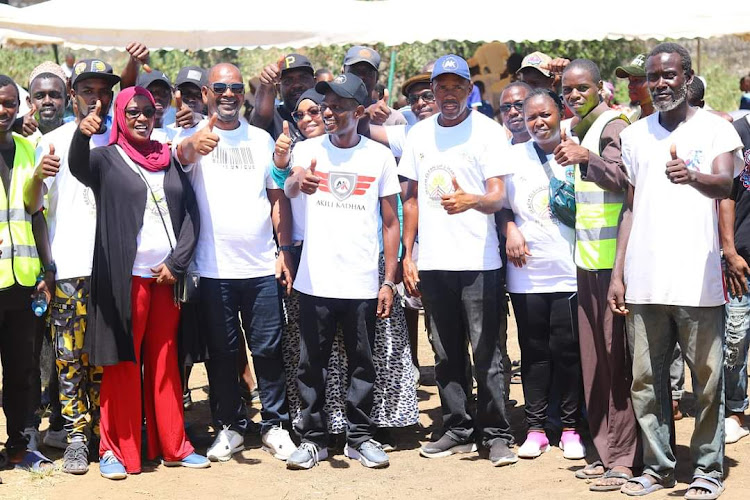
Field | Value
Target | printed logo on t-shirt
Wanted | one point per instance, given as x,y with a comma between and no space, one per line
239,158
438,182
342,185
745,175
89,200
154,211
538,204
694,159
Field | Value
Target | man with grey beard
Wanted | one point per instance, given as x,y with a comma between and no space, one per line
667,279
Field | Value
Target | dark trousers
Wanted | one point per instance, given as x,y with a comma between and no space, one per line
258,302
606,366
18,337
319,317
549,351
466,307
44,384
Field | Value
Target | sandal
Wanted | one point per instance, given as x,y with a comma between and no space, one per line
611,474
649,484
582,474
34,461
713,486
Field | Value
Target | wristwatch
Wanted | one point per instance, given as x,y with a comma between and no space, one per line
286,248
51,268
389,284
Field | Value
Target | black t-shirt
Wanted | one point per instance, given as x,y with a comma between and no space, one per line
741,194
277,125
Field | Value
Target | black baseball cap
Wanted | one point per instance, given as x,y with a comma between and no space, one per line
348,86
311,94
294,61
93,68
191,74
360,53
146,79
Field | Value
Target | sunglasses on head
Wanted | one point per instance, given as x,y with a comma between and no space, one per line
504,108
220,88
136,112
313,112
426,96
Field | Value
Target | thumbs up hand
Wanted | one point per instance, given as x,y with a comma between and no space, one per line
459,200
93,122
205,139
677,171
49,166
140,53
184,117
30,124
271,74
283,147
379,111
311,181
568,152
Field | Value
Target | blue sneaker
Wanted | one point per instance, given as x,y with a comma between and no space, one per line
370,454
110,467
193,461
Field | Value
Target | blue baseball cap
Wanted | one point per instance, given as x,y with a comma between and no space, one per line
453,64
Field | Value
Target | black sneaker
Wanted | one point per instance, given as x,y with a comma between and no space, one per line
501,455
446,446
76,458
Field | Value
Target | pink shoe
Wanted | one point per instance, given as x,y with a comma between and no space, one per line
536,443
572,445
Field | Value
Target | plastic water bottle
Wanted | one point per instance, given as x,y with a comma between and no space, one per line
39,302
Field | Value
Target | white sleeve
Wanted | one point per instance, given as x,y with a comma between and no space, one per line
396,135
407,167
627,158
495,159
180,136
389,180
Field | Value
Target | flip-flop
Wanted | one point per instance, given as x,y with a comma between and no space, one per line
581,474
648,486
714,487
33,461
611,474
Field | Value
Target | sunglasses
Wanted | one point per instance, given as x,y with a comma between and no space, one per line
313,112
426,96
220,88
135,112
504,108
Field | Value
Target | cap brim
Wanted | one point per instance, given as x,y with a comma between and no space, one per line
626,71
323,87
359,60
307,68
108,77
192,82
420,78
546,73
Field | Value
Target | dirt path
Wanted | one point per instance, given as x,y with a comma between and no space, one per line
255,474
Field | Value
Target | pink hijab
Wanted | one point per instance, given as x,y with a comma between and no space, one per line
153,155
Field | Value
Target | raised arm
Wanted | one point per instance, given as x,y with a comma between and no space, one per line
262,114
79,157
33,192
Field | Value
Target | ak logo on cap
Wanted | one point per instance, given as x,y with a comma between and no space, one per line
340,79
450,63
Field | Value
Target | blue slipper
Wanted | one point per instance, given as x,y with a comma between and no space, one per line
648,485
34,461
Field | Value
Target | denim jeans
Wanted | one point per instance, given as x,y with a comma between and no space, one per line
737,316
258,302
466,307
700,333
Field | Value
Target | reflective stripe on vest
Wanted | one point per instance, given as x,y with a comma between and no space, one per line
19,262
597,210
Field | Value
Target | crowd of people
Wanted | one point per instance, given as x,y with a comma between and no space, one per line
314,229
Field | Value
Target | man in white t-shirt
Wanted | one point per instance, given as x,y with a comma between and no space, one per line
71,217
350,183
667,277
240,207
455,162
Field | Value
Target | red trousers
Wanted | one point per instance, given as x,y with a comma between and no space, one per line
155,320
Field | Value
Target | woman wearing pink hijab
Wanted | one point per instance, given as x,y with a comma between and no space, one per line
146,232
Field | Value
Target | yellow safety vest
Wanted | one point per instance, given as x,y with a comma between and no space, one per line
19,262
597,210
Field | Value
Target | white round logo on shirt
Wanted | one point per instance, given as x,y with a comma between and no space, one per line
88,198
438,182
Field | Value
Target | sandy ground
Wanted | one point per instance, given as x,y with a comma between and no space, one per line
255,474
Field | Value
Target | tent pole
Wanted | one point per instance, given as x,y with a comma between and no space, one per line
699,56
391,71
57,55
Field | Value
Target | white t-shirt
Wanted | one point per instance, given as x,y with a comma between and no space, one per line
550,268
164,134
236,236
71,207
673,252
396,135
340,254
472,151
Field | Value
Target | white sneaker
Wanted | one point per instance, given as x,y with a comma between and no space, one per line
56,439
734,431
226,444
277,442
33,436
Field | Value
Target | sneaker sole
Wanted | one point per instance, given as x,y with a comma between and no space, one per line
459,448
575,457
225,458
114,475
355,455
504,461
275,454
542,451
322,455
204,465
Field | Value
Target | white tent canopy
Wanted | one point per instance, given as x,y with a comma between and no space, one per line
201,25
